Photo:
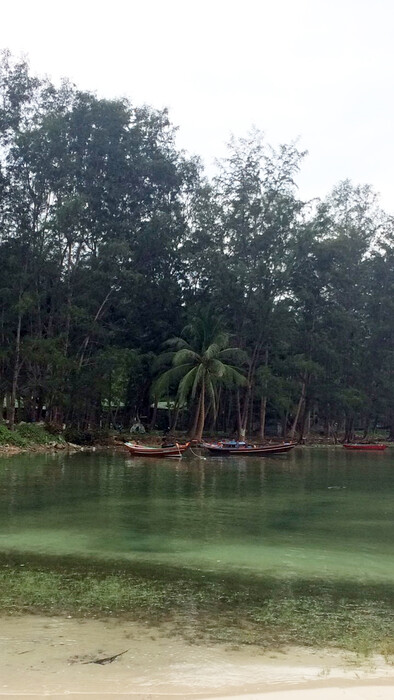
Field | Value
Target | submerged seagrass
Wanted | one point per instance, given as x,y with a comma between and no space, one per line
295,549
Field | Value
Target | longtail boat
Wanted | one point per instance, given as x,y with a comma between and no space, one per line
175,450
242,448
364,446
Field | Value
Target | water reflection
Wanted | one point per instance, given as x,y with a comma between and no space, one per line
313,513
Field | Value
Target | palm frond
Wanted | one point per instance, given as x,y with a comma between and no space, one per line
216,368
233,355
171,376
186,384
188,330
201,357
178,343
163,360
221,339
185,355
205,329
233,377
212,351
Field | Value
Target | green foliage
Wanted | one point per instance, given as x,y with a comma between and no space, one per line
201,364
112,240
8,437
85,437
26,434
36,434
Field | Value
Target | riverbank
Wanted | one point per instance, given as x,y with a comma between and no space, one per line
10,450
55,446
39,437
62,655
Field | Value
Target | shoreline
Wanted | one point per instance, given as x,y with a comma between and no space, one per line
10,450
57,656
199,605
55,447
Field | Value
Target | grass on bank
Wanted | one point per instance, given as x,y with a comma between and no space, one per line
271,615
27,435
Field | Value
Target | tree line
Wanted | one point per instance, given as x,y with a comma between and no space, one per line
129,278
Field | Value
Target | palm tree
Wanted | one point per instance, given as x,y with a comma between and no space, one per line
200,363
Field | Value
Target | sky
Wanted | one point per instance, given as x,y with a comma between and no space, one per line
319,72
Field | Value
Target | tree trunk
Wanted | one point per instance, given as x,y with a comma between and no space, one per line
67,324
391,429
216,413
87,338
251,412
308,423
239,417
201,420
196,418
210,417
15,374
263,409
243,421
305,422
367,421
263,402
349,429
333,430
229,413
298,411
154,416
109,416
7,406
284,425
175,417
244,416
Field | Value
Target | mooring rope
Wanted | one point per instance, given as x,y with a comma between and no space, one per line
196,455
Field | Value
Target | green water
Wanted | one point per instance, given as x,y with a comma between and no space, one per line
314,513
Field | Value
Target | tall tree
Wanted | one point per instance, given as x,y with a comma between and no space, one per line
200,362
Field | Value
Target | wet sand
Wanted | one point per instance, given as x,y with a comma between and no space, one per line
48,656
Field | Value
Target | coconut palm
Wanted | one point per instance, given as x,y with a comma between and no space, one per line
201,360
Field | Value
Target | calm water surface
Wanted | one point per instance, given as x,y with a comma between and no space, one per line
314,512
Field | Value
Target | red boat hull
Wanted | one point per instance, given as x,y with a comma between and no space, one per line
365,447
243,451
156,452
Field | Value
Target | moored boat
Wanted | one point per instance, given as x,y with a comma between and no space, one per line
364,446
175,450
242,448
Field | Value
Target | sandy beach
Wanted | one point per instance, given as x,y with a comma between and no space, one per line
55,656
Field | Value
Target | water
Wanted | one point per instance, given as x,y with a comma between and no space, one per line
314,513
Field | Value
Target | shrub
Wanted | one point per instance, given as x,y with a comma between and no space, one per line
85,437
26,434
9,437
54,428
34,433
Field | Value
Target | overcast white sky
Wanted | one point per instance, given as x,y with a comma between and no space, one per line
321,71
